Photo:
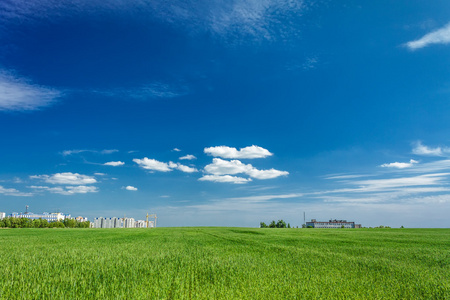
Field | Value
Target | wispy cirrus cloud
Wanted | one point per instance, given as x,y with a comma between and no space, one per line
439,36
21,94
13,192
237,19
78,151
231,152
155,90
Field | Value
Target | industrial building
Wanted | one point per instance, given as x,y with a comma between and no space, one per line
332,224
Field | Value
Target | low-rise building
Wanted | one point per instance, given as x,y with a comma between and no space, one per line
50,217
332,224
81,219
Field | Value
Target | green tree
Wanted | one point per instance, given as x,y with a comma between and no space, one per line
289,225
70,223
262,225
281,224
273,224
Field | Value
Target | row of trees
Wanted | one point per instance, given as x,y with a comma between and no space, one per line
12,222
279,224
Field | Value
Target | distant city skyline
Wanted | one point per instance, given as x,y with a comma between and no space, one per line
227,114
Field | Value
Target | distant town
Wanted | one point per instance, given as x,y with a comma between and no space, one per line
99,222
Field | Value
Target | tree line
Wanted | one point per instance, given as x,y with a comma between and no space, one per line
11,222
273,224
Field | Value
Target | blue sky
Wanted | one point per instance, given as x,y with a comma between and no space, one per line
227,113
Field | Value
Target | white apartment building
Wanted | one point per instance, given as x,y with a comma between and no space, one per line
51,217
114,222
2,215
129,223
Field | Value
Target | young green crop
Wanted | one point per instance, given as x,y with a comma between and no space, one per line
224,263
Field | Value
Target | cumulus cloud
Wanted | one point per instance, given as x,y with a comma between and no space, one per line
266,174
439,36
220,167
67,190
230,152
131,188
66,178
400,165
182,168
420,149
152,164
114,163
225,178
21,94
188,157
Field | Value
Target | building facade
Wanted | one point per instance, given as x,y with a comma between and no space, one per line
50,217
332,224
2,215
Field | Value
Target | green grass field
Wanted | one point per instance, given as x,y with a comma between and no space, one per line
225,263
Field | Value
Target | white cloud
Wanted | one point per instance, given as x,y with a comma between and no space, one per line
131,188
400,165
109,151
394,183
78,151
152,164
148,91
225,178
114,163
20,94
424,150
224,167
81,189
230,152
188,157
266,174
100,174
176,150
66,178
439,36
182,168
68,190
13,192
